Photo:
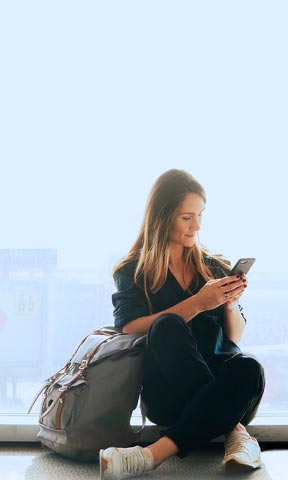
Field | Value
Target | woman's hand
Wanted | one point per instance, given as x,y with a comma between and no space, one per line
221,291
232,303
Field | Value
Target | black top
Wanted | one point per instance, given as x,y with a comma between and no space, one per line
130,303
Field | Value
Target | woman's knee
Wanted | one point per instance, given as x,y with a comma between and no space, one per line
251,372
168,325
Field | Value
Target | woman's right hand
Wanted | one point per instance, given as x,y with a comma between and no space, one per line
219,291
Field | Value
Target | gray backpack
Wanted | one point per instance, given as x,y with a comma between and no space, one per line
88,404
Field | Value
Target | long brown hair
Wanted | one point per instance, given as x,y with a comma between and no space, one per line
151,249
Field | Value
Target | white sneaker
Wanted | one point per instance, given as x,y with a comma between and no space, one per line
116,463
242,452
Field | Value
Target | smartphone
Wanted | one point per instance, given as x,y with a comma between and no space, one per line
242,266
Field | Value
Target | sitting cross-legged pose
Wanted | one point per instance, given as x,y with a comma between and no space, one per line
197,383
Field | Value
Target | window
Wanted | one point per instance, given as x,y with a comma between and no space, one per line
94,108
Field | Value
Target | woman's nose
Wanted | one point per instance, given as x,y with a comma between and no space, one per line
196,224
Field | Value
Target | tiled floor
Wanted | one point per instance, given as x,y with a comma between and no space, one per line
32,462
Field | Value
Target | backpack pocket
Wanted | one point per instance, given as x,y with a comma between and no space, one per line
59,404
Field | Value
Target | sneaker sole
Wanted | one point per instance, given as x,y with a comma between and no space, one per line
234,466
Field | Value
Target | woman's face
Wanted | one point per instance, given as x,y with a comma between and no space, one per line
187,221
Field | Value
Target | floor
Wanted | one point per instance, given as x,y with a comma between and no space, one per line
33,462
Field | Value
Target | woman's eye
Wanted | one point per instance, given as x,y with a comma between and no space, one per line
186,218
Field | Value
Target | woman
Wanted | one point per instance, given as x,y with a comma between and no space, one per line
197,382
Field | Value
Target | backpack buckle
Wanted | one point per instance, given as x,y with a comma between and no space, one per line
64,388
84,364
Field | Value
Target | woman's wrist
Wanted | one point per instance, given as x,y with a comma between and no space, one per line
196,305
231,306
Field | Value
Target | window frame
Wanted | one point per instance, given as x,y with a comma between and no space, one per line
24,428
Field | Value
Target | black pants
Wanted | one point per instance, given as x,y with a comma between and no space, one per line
198,399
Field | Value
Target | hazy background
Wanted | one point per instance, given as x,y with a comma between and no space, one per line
100,97
97,99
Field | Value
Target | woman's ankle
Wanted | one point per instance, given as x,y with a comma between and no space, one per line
238,428
161,450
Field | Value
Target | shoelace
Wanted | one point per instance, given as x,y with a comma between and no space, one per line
133,462
236,442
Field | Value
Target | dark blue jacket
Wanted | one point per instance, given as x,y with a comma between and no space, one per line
130,303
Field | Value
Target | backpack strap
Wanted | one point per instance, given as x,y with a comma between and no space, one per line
49,381
107,331
80,373
61,392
